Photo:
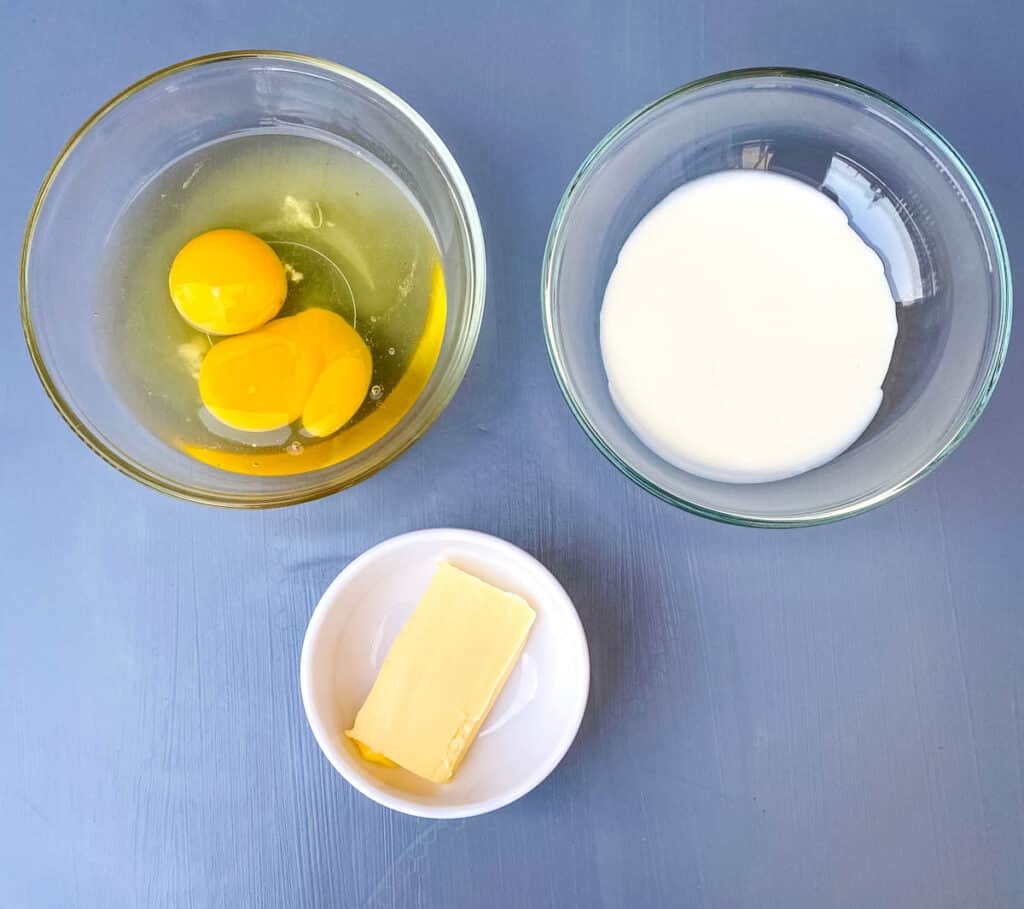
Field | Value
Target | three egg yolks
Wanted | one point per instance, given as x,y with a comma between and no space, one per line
311,366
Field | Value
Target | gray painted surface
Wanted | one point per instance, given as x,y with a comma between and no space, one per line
832,717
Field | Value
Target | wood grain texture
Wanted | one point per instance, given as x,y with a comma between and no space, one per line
822,718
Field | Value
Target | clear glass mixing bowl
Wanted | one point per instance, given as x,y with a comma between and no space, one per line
135,136
905,190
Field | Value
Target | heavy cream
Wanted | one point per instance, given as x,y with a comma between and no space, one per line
746,329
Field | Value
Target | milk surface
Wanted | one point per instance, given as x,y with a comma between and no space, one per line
746,328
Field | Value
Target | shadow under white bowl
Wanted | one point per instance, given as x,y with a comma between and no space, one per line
533,722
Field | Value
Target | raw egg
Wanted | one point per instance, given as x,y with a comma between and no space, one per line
371,428
225,282
342,385
258,381
312,365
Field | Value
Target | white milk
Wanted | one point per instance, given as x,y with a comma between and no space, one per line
746,328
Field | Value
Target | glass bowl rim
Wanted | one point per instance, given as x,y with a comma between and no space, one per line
981,205
466,340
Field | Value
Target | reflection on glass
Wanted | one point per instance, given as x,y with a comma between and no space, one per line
885,225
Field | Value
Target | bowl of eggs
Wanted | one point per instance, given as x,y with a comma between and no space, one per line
776,298
252,279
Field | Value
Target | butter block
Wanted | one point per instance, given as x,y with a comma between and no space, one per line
442,675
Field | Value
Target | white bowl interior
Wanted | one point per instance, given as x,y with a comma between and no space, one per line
536,716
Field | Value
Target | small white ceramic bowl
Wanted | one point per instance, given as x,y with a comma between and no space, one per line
532,724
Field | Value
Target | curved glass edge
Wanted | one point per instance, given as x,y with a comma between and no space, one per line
469,220
844,511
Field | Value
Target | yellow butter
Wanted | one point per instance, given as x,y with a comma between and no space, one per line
442,675
373,756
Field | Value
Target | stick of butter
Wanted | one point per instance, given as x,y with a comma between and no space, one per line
442,675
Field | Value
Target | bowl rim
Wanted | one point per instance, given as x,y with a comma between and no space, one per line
467,217
828,515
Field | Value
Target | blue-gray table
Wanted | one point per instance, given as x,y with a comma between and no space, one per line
830,717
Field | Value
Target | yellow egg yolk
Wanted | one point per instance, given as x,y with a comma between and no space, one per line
360,436
225,282
257,381
341,387
312,365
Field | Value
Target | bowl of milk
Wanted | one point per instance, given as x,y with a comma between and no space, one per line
776,297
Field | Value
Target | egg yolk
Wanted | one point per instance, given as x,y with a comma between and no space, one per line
312,365
225,282
342,385
257,381
360,436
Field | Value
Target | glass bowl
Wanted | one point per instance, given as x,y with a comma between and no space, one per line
137,135
905,191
